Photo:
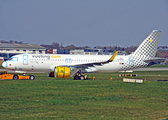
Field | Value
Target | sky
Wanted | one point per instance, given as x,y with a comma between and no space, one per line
83,22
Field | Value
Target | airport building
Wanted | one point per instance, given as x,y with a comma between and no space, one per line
91,51
7,50
58,51
164,48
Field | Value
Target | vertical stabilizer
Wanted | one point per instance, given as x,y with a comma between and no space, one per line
145,51
148,47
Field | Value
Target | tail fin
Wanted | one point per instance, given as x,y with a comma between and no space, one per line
146,51
148,47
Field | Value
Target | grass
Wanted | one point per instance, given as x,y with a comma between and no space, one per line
49,98
1,67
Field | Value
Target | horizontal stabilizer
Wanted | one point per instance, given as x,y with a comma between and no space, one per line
155,60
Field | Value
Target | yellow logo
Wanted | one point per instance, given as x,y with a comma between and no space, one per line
55,56
151,40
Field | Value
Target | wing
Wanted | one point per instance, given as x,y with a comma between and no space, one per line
80,65
99,63
76,67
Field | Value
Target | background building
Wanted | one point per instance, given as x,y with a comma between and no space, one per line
58,51
7,50
90,51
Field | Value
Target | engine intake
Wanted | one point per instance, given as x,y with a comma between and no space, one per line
61,72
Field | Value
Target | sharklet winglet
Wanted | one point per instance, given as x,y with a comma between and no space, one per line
113,57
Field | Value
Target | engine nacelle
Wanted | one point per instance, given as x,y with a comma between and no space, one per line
61,72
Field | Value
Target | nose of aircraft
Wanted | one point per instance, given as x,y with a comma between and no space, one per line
4,64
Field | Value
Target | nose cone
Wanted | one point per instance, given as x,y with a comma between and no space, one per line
4,64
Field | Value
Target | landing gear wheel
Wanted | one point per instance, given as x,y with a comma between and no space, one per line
51,74
82,77
15,77
32,77
76,77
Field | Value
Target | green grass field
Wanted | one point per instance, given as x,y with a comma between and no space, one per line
102,98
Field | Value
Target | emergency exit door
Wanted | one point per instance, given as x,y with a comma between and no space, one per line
25,59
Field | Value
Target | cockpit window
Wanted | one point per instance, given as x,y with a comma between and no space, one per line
14,59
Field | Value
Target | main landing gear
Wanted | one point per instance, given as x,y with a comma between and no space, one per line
79,76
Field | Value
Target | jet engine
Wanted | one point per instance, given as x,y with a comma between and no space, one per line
61,72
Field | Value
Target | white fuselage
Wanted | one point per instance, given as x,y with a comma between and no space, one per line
47,62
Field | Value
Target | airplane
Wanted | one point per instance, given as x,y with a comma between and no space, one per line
66,65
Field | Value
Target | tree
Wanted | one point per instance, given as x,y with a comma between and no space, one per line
130,49
166,54
72,47
55,45
16,42
11,41
4,41
61,46
160,53
20,42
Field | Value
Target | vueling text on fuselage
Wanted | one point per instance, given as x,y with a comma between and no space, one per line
46,56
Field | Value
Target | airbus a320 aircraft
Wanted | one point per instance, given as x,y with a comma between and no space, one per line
64,66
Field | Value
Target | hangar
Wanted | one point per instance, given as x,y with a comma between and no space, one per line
7,50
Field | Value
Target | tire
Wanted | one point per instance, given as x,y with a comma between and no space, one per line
82,77
51,74
15,77
32,77
77,77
